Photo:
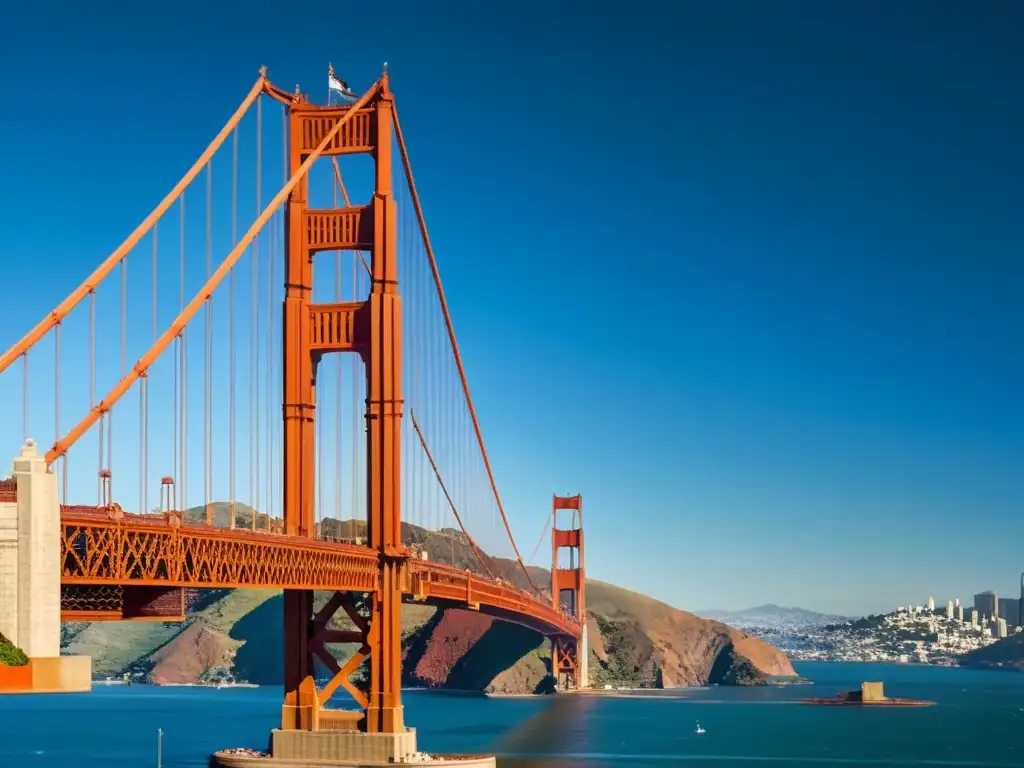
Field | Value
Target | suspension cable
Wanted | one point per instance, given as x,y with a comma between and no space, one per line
142,443
208,351
176,431
24,395
256,322
352,529
92,391
124,370
231,334
56,385
340,185
178,325
447,496
145,423
451,337
543,535
62,309
268,394
338,390
278,430
183,480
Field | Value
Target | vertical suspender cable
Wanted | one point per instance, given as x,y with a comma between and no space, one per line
356,432
176,430
337,415
145,476
183,480
404,153
279,399
231,333
208,349
318,449
92,389
124,370
256,319
142,443
56,394
24,396
268,394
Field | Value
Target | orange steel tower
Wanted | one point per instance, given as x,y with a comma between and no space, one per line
569,591
371,328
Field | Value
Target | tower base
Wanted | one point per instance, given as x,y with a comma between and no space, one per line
352,749
343,746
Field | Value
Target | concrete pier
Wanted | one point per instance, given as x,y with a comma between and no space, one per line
30,570
332,738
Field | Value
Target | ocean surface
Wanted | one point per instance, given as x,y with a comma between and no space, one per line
978,721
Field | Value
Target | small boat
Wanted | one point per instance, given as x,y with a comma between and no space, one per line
699,729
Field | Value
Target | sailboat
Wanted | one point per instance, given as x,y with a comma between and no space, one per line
699,729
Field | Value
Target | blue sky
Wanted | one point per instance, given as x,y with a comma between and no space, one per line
745,275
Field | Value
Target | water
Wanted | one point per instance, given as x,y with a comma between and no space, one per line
978,721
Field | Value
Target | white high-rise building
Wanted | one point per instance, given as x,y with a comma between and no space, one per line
957,602
1000,627
931,603
949,610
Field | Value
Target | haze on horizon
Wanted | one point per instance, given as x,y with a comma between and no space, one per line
748,277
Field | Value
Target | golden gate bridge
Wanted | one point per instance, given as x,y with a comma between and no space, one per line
340,451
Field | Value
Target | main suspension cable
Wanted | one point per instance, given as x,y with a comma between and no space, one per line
108,265
447,496
61,446
451,337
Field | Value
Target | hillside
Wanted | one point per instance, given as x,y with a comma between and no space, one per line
1007,653
634,640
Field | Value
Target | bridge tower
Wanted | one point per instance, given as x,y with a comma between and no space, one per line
569,590
371,329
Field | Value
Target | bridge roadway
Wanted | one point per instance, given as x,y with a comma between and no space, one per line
101,548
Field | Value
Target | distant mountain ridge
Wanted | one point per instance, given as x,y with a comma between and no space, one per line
771,615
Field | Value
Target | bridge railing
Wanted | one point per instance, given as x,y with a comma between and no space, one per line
439,581
107,546
98,547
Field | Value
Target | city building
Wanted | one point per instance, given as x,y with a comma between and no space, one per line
949,610
959,612
972,616
987,603
931,603
1000,628
1009,609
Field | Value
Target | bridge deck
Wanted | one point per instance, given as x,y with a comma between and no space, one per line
98,549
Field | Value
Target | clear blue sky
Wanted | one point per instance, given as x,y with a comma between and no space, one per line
746,275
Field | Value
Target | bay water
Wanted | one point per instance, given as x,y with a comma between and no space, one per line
978,721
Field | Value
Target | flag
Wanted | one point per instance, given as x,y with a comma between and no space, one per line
334,84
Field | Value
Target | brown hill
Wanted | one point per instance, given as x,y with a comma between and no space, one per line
635,641
1007,653
686,649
